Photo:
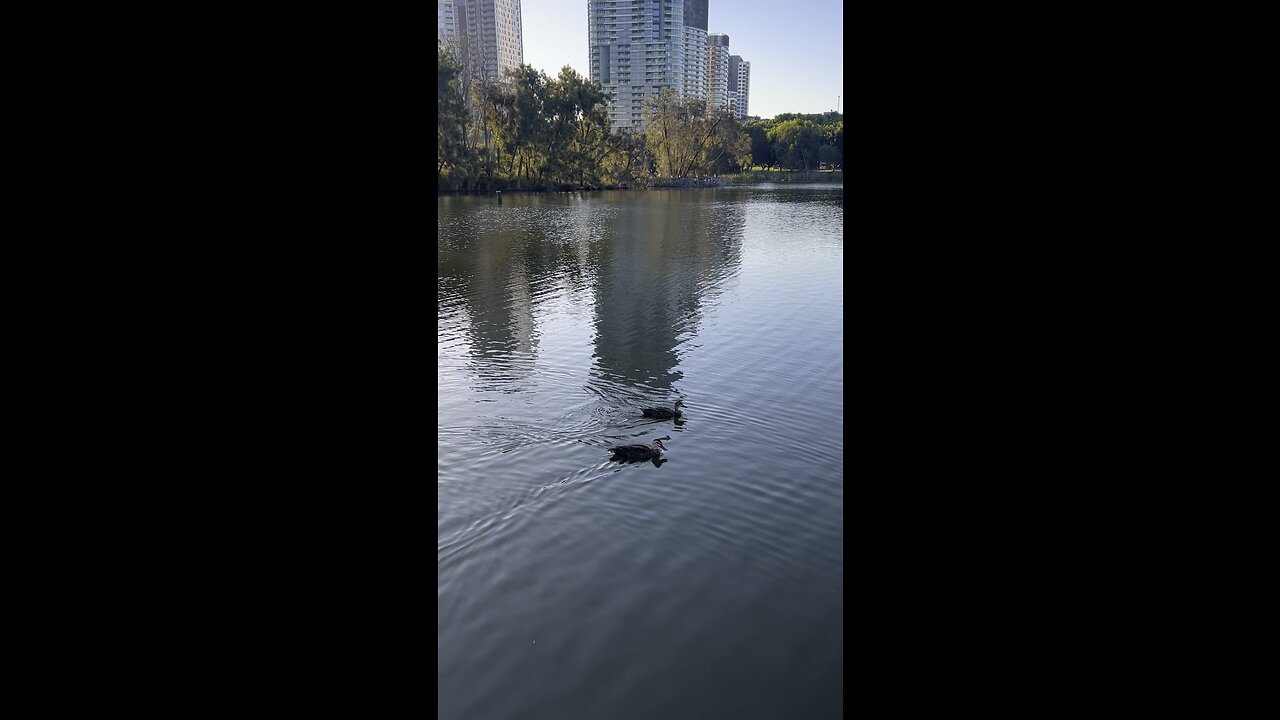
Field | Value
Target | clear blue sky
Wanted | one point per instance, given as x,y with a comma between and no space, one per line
795,47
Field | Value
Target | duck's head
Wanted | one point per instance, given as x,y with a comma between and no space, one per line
657,445
679,403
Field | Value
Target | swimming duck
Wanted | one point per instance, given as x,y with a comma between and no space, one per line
640,452
661,412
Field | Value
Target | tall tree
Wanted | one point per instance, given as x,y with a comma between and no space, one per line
687,138
761,148
451,114
528,103
576,125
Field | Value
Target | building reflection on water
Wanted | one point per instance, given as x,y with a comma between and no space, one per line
657,262
646,261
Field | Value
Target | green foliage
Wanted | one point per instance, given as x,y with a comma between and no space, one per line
577,126
829,155
451,113
689,139
798,142
528,130
626,158
761,148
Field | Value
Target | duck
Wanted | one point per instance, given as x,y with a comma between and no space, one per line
661,412
640,452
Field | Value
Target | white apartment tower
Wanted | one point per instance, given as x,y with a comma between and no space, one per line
695,48
636,48
739,86
717,71
487,31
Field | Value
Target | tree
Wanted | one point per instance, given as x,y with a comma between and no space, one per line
450,111
729,149
828,154
796,143
666,129
626,157
761,148
528,128
688,138
528,122
576,126
838,143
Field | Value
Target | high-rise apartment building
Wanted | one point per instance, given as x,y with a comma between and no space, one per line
739,85
636,48
639,47
695,48
486,35
717,71
446,21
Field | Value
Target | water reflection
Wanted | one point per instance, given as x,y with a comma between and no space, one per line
660,258
498,264
656,462
645,263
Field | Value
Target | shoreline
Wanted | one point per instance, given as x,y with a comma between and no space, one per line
741,180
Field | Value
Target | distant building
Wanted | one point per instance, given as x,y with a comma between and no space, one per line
485,35
717,71
636,48
695,48
639,47
739,86
446,21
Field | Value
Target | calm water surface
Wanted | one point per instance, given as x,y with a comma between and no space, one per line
708,585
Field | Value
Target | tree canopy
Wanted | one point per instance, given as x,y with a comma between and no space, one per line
798,142
525,129
529,130
689,139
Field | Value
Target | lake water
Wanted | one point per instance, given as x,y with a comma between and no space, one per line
707,585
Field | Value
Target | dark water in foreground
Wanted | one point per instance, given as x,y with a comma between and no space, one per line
709,586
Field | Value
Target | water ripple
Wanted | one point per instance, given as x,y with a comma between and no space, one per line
570,584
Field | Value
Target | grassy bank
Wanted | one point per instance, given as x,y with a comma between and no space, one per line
782,176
